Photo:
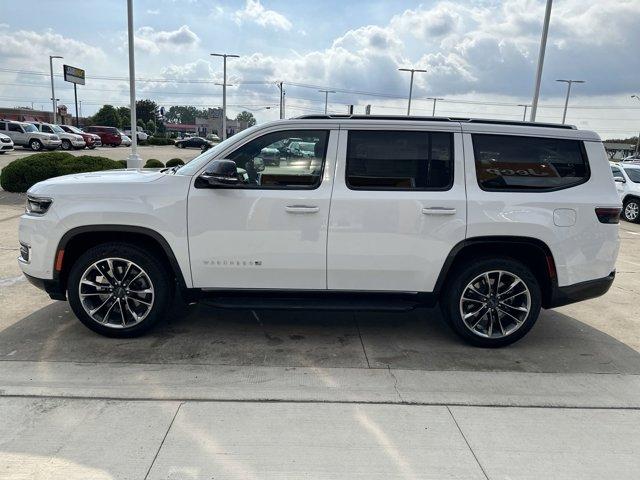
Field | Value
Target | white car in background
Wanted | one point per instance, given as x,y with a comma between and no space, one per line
6,144
142,136
68,141
627,178
126,141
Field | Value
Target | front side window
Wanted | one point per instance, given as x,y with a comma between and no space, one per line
271,161
617,173
514,163
47,129
14,127
29,128
399,160
633,174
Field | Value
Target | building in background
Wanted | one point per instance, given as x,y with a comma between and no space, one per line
26,114
618,151
212,123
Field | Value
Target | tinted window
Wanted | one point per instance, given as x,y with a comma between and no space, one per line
633,174
3,126
506,162
271,161
14,127
399,160
47,129
616,172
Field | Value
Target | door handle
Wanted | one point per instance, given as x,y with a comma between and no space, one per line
302,209
439,211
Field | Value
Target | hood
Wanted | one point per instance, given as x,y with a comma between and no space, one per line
94,181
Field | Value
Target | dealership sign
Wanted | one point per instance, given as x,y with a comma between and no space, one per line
73,74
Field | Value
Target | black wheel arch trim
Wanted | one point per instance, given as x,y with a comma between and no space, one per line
175,266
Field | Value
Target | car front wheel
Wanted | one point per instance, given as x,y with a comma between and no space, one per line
492,302
119,290
35,145
631,211
66,145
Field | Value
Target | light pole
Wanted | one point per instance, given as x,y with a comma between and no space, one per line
224,89
326,98
566,101
134,160
524,116
53,92
638,142
435,99
412,70
543,47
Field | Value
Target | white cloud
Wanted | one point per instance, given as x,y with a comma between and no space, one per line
255,12
151,40
153,12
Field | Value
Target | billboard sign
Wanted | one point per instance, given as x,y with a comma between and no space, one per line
73,74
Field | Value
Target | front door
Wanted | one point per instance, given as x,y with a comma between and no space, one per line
398,208
270,230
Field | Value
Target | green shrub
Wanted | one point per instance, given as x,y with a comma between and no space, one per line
175,162
123,163
21,174
159,141
153,163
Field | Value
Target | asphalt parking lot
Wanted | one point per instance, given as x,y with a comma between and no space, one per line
215,393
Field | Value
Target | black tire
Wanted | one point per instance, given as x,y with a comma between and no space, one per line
66,145
158,273
457,283
180,145
631,210
35,145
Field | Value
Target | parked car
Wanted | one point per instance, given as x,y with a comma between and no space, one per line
67,140
631,158
126,141
142,135
192,142
627,178
6,144
28,136
108,135
391,214
91,139
212,137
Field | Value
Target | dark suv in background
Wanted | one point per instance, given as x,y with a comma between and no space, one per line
108,135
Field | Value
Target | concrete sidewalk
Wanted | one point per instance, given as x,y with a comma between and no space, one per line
100,439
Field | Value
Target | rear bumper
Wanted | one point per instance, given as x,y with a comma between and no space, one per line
580,291
52,287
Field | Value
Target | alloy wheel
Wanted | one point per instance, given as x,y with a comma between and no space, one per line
116,293
631,211
495,304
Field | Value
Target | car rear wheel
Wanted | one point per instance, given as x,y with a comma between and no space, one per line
492,302
66,145
119,290
180,145
631,211
35,145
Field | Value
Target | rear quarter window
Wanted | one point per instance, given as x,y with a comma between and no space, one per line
519,163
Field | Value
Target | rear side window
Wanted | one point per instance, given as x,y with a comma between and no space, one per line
399,160
516,163
13,127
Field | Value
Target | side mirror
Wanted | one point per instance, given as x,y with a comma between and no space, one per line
220,174
619,180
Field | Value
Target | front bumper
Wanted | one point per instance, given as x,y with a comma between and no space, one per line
78,143
52,287
5,147
580,291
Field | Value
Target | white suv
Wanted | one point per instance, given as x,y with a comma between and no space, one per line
28,136
493,220
67,140
627,178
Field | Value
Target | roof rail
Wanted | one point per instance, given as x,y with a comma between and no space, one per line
436,119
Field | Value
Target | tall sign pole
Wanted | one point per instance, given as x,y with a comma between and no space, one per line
543,48
53,91
224,89
134,160
76,76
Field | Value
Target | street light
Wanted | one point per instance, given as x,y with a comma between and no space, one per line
224,90
638,142
543,47
435,99
53,92
326,98
412,70
524,116
566,101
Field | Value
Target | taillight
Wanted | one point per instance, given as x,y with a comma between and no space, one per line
608,214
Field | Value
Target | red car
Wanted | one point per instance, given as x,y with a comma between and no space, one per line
91,139
108,135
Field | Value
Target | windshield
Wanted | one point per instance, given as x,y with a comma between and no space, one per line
633,174
74,129
200,161
29,128
57,129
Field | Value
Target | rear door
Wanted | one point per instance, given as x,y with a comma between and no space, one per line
398,207
17,134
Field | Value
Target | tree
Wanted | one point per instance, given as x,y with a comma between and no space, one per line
183,114
151,127
125,116
141,123
107,116
248,117
146,110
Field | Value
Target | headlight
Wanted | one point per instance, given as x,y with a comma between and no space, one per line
37,205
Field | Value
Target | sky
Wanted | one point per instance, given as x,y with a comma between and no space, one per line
480,56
